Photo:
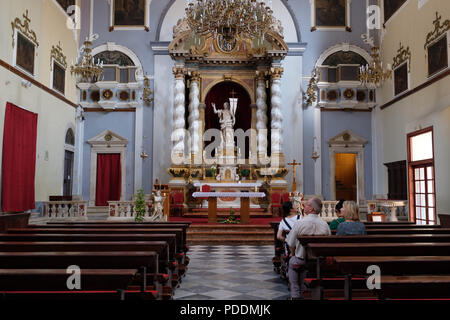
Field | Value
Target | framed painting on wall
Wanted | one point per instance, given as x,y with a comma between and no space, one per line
129,15
25,53
59,78
330,15
437,56
390,7
401,83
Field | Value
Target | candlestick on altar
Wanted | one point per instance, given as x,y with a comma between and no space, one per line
294,165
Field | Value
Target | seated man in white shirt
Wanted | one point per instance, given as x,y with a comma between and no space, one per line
311,225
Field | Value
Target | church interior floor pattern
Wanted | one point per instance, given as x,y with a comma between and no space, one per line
231,273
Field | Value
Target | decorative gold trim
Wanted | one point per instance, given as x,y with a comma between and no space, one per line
147,92
24,28
439,30
402,55
349,94
57,54
276,73
107,94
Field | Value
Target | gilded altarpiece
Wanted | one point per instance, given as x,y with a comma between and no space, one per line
211,70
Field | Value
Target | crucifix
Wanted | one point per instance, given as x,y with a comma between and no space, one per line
294,165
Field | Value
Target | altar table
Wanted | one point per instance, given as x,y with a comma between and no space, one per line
212,202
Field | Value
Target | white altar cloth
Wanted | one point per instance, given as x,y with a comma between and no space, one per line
228,194
229,185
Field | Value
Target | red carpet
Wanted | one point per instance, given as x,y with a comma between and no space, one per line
254,221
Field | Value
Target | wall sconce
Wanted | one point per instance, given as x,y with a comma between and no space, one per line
147,92
26,84
315,153
144,155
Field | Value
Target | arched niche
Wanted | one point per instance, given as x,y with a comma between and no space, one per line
344,47
111,46
219,94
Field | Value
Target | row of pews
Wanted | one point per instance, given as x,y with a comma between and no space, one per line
413,260
117,261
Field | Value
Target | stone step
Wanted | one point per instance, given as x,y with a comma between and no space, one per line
226,235
230,241
229,228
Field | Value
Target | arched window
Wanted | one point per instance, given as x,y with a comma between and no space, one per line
341,65
344,57
117,66
70,137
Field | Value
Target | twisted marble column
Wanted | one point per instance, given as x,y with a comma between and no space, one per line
194,113
178,114
277,116
261,115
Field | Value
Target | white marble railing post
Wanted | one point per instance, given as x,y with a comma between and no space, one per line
261,114
178,116
277,118
194,114
65,209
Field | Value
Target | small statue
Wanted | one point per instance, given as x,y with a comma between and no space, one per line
227,121
298,206
158,209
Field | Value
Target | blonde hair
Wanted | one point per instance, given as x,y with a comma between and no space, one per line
351,211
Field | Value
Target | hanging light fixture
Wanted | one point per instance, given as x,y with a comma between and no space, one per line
230,18
374,74
86,69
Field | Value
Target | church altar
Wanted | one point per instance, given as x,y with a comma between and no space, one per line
221,132
232,200
243,196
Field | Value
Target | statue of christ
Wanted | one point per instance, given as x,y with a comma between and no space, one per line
227,121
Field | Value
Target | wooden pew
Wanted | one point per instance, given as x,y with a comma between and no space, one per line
278,246
145,261
56,279
394,266
379,249
402,226
412,230
106,224
415,287
176,273
160,247
42,230
391,238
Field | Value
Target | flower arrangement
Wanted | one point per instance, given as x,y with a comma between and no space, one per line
231,219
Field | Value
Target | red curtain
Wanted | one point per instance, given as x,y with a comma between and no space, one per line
109,179
18,159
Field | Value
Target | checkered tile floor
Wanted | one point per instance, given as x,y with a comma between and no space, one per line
231,273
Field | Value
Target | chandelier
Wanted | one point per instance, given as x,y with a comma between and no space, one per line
86,70
374,74
229,18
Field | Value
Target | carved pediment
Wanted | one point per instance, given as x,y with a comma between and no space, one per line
210,49
347,138
108,138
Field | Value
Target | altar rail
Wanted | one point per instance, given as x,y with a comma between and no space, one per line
67,210
328,213
391,205
125,210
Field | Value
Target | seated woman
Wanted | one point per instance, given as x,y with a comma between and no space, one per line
352,226
287,223
335,223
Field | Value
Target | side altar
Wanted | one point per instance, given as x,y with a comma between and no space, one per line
227,122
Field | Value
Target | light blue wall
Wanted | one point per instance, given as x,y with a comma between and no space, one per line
121,123
333,123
